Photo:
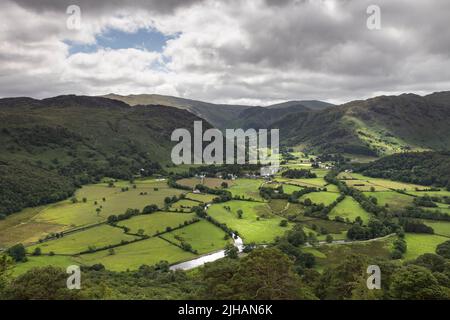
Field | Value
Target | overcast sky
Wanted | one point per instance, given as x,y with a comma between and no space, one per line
249,52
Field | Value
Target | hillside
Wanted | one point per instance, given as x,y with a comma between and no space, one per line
72,140
219,115
377,126
264,117
311,104
425,168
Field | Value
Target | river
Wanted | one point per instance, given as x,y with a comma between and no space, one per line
191,264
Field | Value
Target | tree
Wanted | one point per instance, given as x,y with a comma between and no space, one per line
224,185
140,232
329,238
312,239
5,265
37,252
240,213
47,283
268,274
296,236
338,282
443,249
415,283
17,252
283,223
432,262
231,251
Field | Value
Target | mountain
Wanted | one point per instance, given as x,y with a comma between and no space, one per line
264,117
310,104
50,146
219,115
377,126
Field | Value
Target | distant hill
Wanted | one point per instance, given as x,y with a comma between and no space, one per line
50,146
219,115
311,104
377,126
264,117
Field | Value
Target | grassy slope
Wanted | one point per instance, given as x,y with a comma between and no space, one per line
74,243
349,208
249,228
203,236
419,244
156,222
133,255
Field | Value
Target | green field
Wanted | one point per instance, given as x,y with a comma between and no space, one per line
116,202
313,182
156,222
419,244
440,227
332,188
394,199
202,236
184,205
44,261
202,197
380,183
246,188
209,182
249,228
96,237
289,188
321,197
349,208
442,193
133,255
22,228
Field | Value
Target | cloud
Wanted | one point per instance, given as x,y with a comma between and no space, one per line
254,52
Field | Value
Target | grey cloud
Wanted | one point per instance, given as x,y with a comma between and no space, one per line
293,49
162,6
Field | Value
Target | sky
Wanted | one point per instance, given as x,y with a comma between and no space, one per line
241,52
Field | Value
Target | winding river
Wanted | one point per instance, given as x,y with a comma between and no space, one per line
238,243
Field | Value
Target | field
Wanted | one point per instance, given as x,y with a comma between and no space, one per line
442,193
260,221
321,197
34,223
209,182
441,228
202,236
349,208
313,182
96,237
377,183
132,256
184,205
334,253
115,202
156,222
419,244
246,188
21,228
202,197
250,229
394,199
43,261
